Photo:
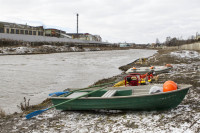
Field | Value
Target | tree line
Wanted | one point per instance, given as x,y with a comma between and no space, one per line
177,41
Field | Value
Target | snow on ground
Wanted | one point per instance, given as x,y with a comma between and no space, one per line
53,121
42,49
186,54
22,50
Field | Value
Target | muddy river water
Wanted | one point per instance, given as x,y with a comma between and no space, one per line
35,76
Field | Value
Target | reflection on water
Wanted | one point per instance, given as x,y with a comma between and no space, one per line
35,76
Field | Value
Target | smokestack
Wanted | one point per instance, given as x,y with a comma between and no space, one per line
77,23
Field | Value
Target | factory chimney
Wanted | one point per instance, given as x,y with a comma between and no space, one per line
77,24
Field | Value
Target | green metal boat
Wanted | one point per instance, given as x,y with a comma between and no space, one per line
122,98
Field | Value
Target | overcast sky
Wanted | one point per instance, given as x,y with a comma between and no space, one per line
138,21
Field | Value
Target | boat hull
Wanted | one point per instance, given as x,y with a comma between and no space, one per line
146,70
161,101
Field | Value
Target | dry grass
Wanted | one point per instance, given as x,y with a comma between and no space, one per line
2,113
26,108
42,105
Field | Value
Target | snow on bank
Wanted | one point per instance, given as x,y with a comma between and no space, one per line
22,50
54,121
186,54
43,49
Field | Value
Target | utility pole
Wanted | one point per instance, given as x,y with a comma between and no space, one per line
77,24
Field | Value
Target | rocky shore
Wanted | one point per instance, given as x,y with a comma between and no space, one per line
184,118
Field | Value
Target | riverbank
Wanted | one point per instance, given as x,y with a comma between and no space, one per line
184,118
19,47
46,49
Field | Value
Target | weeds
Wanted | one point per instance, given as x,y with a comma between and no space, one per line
2,113
27,108
24,106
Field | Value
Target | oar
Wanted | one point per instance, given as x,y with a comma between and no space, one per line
61,93
41,111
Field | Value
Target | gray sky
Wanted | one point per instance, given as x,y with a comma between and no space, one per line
139,21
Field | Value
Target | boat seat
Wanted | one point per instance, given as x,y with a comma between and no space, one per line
109,93
76,94
140,93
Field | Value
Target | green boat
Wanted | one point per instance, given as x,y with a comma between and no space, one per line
122,98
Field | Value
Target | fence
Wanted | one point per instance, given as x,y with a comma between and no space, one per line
193,46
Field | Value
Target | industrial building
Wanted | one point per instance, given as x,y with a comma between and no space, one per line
85,36
56,33
13,28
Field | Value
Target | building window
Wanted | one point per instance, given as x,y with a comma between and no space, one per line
7,30
21,31
26,32
12,31
17,31
30,32
34,32
41,34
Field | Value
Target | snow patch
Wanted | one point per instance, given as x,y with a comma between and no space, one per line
186,54
22,50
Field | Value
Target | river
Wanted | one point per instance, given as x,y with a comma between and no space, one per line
35,76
